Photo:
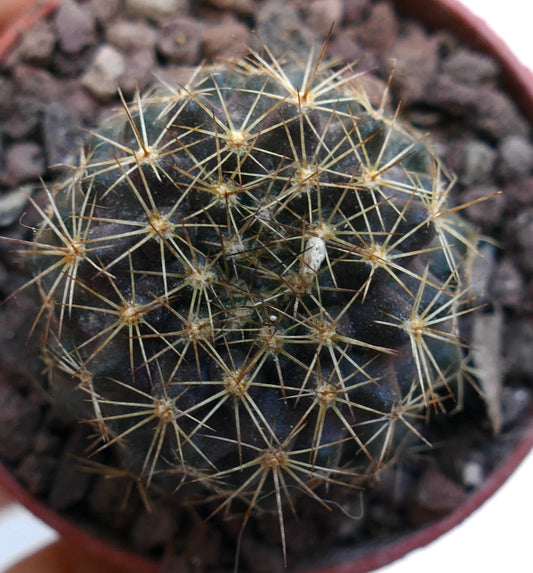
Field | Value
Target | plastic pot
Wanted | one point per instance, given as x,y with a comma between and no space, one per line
449,15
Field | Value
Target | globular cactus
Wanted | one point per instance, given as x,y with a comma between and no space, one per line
253,283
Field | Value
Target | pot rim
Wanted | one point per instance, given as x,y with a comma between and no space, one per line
93,544
385,553
450,15
22,22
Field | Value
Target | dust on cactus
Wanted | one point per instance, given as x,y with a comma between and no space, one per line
253,284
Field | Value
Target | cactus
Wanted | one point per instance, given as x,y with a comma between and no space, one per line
252,283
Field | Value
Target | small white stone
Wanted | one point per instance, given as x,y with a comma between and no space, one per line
472,474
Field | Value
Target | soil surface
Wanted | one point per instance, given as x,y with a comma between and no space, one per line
63,75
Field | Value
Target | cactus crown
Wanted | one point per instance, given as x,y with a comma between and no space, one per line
253,283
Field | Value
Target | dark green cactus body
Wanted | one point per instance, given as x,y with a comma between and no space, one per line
256,281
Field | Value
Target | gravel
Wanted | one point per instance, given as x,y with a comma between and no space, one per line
75,25
157,10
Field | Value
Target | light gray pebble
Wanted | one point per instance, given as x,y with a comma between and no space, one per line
105,10
479,162
36,82
473,473
508,284
104,72
415,60
470,67
519,193
498,115
22,162
24,118
323,14
487,205
75,26
379,31
515,158
490,111
37,46
129,36
157,10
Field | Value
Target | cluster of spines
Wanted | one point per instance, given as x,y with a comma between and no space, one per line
278,263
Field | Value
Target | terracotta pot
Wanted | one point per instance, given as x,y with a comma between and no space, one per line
518,81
